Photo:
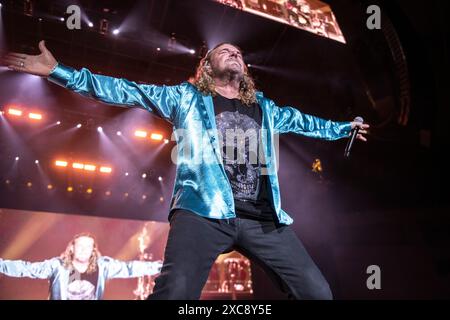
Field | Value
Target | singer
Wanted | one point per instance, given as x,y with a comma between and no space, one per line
232,200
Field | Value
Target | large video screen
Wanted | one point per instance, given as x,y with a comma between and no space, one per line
310,15
32,236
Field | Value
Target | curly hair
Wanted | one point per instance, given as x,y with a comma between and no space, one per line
67,255
204,82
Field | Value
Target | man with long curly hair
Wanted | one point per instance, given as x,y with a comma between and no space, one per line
80,272
231,198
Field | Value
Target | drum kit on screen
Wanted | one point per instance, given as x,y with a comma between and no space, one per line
231,275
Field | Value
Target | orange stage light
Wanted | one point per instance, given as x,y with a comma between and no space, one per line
105,169
156,136
61,163
14,112
89,167
77,165
35,116
140,134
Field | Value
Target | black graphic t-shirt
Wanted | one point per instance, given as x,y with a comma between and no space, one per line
239,128
82,286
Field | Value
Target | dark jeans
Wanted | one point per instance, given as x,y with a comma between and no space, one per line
194,243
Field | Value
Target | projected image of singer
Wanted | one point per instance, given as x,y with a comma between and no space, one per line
80,272
230,199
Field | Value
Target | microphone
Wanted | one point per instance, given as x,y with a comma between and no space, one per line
352,138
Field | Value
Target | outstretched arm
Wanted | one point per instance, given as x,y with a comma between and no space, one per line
130,269
35,270
162,100
288,119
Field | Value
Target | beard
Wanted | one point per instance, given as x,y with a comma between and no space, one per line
82,259
230,72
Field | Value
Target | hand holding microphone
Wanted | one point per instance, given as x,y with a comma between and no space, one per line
358,131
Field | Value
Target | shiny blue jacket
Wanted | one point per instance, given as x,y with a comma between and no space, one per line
53,270
201,186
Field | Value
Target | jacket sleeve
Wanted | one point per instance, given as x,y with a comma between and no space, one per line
130,269
163,101
35,270
289,119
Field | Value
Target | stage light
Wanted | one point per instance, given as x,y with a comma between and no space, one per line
35,116
105,169
317,166
116,32
104,25
61,19
36,161
58,123
100,129
119,133
161,199
160,178
40,19
126,174
158,49
192,51
144,175
249,65
89,190
140,134
69,189
29,184
79,125
49,187
144,197
126,194
17,158
15,112
90,24
89,167
166,141
77,165
1,5
156,136
107,193
61,163
7,182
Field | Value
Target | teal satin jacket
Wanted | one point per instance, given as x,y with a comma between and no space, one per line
53,270
201,186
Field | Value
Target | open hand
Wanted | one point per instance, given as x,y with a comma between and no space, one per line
40,65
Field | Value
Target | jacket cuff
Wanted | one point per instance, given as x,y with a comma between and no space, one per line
345,128
61,74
